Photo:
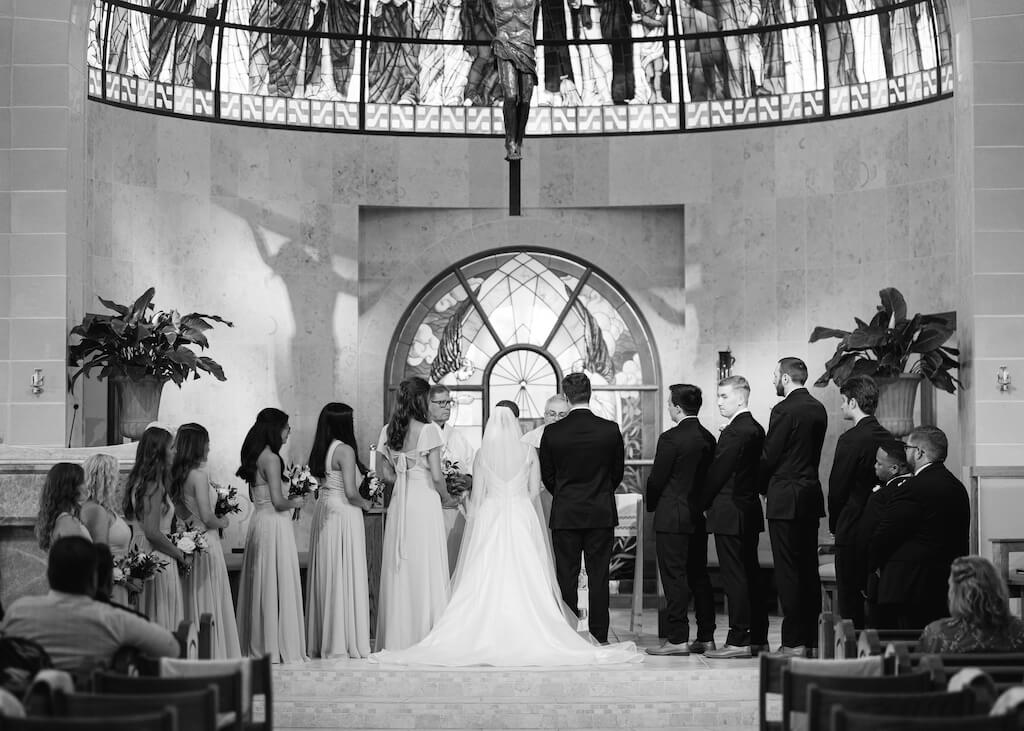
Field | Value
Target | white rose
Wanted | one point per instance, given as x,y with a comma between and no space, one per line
118,575
186,545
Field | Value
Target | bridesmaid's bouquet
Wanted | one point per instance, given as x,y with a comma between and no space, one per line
135,568
300,484
190,542
227,500
372,487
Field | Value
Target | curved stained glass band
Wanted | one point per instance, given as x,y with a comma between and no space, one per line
604,66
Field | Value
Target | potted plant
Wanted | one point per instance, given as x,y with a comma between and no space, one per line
884,349
140,349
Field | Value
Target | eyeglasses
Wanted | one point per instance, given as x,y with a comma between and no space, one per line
911,446
445,403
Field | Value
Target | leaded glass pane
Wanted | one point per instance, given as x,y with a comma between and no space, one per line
526,378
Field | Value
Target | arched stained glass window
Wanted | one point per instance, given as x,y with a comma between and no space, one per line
509,324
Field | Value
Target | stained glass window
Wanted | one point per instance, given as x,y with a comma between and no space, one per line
604,67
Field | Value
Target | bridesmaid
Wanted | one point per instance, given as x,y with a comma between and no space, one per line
337,587
414,570
205,587
100,514
150,513
59,505
270,593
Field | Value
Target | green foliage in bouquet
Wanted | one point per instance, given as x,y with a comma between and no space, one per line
883,347
139,341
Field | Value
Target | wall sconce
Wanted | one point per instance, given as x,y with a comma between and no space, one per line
37,381
1003,379
725,363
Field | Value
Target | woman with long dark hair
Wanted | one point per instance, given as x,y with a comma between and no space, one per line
414,569
206,588
269,609
149,512
59,505
337,599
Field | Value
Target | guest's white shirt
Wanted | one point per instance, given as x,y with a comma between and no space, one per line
79,632
457,448
533,436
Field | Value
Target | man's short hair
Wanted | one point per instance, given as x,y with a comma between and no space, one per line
896,451
437,388
576,387
795,368
557,397
863,390
738,383
932,441
687,397
71,567
510,405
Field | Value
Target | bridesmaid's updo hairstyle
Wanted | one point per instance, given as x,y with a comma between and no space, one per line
150,469
336,422
410,404
190,445
266,432
59,495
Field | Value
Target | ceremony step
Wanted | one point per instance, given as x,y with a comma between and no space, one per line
679,693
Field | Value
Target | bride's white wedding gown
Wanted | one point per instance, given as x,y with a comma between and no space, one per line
505,608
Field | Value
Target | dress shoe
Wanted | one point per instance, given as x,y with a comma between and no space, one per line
699,647
669,648
756,650
727,652
798,651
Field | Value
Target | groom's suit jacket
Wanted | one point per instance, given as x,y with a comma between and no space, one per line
582,459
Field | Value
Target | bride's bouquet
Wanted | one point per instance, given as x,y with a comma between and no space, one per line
227,500
300,484
190,542
454,479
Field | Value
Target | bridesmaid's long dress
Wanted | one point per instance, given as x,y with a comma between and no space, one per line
119,539
269,610
414,581
207,589
161,598
337,588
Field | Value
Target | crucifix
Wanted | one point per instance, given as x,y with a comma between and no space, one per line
517,71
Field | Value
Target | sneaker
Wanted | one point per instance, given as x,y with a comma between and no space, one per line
669,648
729,651
699,647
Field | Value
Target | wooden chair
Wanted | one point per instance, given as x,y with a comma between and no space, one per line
827,635
205,645
229,691
769,681
188,640
263,684
164,720
874,641
821,701
196,710
845,640
846,721
827,577
256,681
832,675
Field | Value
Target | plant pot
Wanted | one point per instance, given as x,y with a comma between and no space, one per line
139,403
896,397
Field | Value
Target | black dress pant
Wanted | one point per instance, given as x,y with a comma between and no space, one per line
795,552
596,546
674,566
848,585
700,585
748,614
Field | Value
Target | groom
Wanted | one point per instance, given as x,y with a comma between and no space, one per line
582,458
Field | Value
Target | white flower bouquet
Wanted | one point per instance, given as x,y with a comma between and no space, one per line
227,500
190,542
134,568
300,484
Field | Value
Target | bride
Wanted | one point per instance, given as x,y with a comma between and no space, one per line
506,609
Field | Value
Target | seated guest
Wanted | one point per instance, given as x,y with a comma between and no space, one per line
59,503
980,618
78,632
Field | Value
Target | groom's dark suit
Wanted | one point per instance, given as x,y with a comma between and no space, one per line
582,459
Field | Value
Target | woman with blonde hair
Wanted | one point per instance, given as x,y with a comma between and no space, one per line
100,513
979,608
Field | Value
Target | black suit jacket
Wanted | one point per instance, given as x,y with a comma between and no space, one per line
926,525
853,477
731,497
582,459
792,452
874,510
677,477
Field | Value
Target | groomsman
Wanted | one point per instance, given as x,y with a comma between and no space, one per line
789,477
735,517
582,460
926,525
457,449
674,486
892,471
849,485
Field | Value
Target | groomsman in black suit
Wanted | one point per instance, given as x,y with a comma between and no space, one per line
926,525
582,459
735,517
892,471
789,477
673,494
849,485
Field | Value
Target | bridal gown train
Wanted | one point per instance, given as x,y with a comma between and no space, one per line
505,608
